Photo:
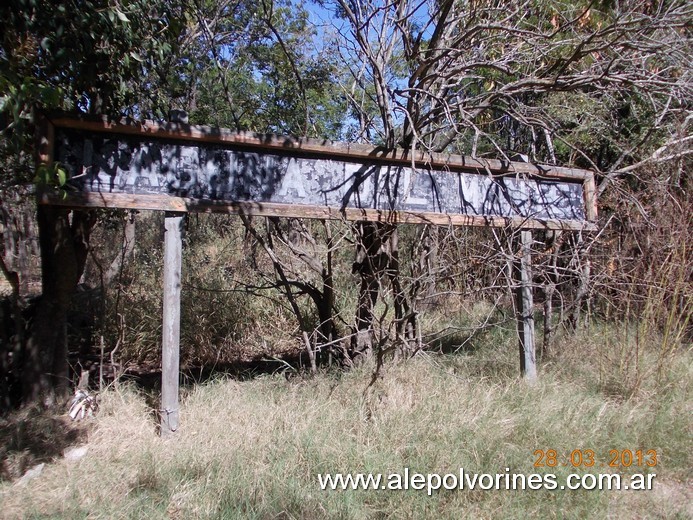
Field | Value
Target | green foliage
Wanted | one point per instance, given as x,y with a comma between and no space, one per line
101,55
95,57
53,176
261,78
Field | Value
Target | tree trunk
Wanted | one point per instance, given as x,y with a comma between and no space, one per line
405,318
584,273
425,278
328,327
370,263
362,342
377,256
17,246
64,247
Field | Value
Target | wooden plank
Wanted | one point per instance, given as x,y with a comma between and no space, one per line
170,355
335,150
525,307
590,188
181,204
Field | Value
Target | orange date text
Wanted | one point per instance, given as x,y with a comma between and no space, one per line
587,458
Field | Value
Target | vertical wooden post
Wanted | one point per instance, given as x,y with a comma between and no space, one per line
524,307
170,349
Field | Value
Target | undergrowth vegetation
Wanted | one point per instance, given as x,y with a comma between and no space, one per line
253,448
617,377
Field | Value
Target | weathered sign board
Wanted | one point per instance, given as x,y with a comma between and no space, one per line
180,168
185,168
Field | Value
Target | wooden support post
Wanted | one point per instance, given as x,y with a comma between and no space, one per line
524,307
170,350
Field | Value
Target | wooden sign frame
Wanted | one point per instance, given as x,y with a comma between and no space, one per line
393,189
442,173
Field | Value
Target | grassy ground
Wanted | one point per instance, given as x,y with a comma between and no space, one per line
252,449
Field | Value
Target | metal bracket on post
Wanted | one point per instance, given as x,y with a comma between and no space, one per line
170,349
524,303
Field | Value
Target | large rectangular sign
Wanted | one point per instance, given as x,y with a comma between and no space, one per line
184,168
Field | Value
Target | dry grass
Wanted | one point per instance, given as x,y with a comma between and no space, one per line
253,449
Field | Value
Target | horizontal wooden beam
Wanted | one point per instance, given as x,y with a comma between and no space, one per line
265,209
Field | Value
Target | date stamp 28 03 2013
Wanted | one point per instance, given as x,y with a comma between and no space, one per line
587,458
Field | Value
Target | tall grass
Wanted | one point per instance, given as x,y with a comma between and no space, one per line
252,449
